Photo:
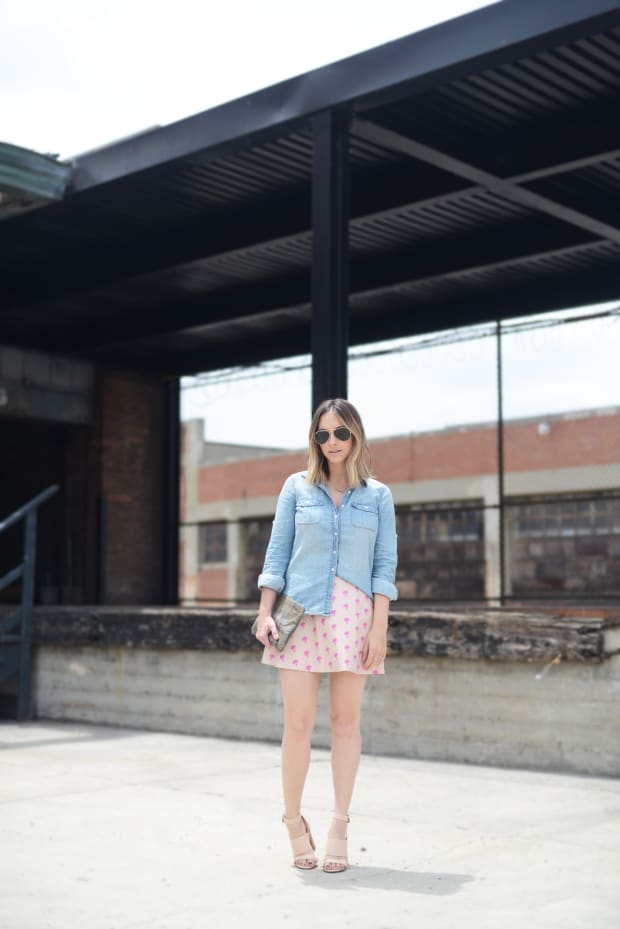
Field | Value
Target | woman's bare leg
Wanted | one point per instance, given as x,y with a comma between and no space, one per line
345,702
300,693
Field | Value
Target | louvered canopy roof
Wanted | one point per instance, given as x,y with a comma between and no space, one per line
484,183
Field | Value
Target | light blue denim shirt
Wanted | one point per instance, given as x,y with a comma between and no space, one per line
312,541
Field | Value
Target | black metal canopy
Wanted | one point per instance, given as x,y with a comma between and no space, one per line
483,163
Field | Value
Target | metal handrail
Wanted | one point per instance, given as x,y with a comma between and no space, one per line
27,507
17,646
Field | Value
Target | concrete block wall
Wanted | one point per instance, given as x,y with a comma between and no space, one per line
45,387
563,717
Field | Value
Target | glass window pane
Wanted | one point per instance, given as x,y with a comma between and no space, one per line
562,440
244,432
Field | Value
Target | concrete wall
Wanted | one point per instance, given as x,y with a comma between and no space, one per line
563,716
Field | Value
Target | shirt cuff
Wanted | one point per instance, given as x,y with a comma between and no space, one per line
274,581
381,586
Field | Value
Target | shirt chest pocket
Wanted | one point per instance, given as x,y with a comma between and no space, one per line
364,516
307,511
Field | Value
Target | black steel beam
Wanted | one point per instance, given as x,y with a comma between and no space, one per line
414,316
80,264
503,187
274,302
484,38
513,243
330,258
115,258
549,145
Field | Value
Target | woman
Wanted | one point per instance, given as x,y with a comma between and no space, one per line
333,549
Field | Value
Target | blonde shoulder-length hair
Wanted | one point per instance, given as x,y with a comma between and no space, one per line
358,462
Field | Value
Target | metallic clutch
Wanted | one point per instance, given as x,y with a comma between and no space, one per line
286,614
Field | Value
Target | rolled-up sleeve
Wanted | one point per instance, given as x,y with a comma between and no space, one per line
280,544
385,554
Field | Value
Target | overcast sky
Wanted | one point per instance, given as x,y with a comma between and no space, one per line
77,74
547,371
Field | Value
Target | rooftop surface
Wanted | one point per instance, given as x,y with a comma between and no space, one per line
124,829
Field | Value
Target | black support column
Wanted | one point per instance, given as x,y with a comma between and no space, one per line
330,255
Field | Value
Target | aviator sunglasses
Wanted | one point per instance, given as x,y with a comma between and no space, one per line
342,434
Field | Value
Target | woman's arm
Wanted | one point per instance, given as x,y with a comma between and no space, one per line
385,552
280,545
273,576
383,575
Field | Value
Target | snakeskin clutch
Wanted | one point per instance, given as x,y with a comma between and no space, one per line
286,614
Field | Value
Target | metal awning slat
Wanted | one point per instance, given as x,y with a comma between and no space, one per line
559,62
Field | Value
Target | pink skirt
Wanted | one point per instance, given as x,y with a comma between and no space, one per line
329,643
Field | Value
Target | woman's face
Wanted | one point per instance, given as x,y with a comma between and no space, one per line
334,450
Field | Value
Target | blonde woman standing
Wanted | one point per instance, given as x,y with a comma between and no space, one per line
333,549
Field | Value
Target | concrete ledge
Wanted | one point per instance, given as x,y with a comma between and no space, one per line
496,635
561,716
511,689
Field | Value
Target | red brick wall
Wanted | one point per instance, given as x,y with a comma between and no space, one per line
212,584
131,418
182,481
591,440
260,477
571,443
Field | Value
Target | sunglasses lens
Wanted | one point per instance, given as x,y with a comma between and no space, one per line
341,433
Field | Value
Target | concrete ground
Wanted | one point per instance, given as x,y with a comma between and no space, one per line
104,828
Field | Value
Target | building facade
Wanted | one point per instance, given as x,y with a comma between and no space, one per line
559,513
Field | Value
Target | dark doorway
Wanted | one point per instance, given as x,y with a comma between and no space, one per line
33,456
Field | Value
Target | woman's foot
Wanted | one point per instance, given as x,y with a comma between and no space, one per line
336,849
302,842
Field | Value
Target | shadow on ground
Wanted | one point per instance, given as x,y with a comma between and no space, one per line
361,877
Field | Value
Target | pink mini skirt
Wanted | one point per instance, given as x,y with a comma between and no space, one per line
329,643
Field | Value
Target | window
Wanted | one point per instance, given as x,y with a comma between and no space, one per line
567,517
441,551
566,546
213,546
257,532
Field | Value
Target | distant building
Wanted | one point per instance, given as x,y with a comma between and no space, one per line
561,509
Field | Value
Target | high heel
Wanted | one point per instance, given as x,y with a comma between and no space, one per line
336,850
303,846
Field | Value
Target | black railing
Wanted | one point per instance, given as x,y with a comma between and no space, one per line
16,627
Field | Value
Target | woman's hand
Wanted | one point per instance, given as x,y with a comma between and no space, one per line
265,622
266,625
375,647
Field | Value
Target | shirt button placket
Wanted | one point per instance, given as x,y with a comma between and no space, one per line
334,556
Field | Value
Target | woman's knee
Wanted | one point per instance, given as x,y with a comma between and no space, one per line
299,726
344,725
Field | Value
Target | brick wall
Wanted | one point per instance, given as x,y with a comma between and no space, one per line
130,446
212,584
574,441
239,479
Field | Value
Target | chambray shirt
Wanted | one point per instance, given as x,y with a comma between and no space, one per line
312,541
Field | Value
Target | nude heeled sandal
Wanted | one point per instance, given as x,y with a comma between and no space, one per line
303,845
336,850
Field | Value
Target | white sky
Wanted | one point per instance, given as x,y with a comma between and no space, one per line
77,74
545,371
